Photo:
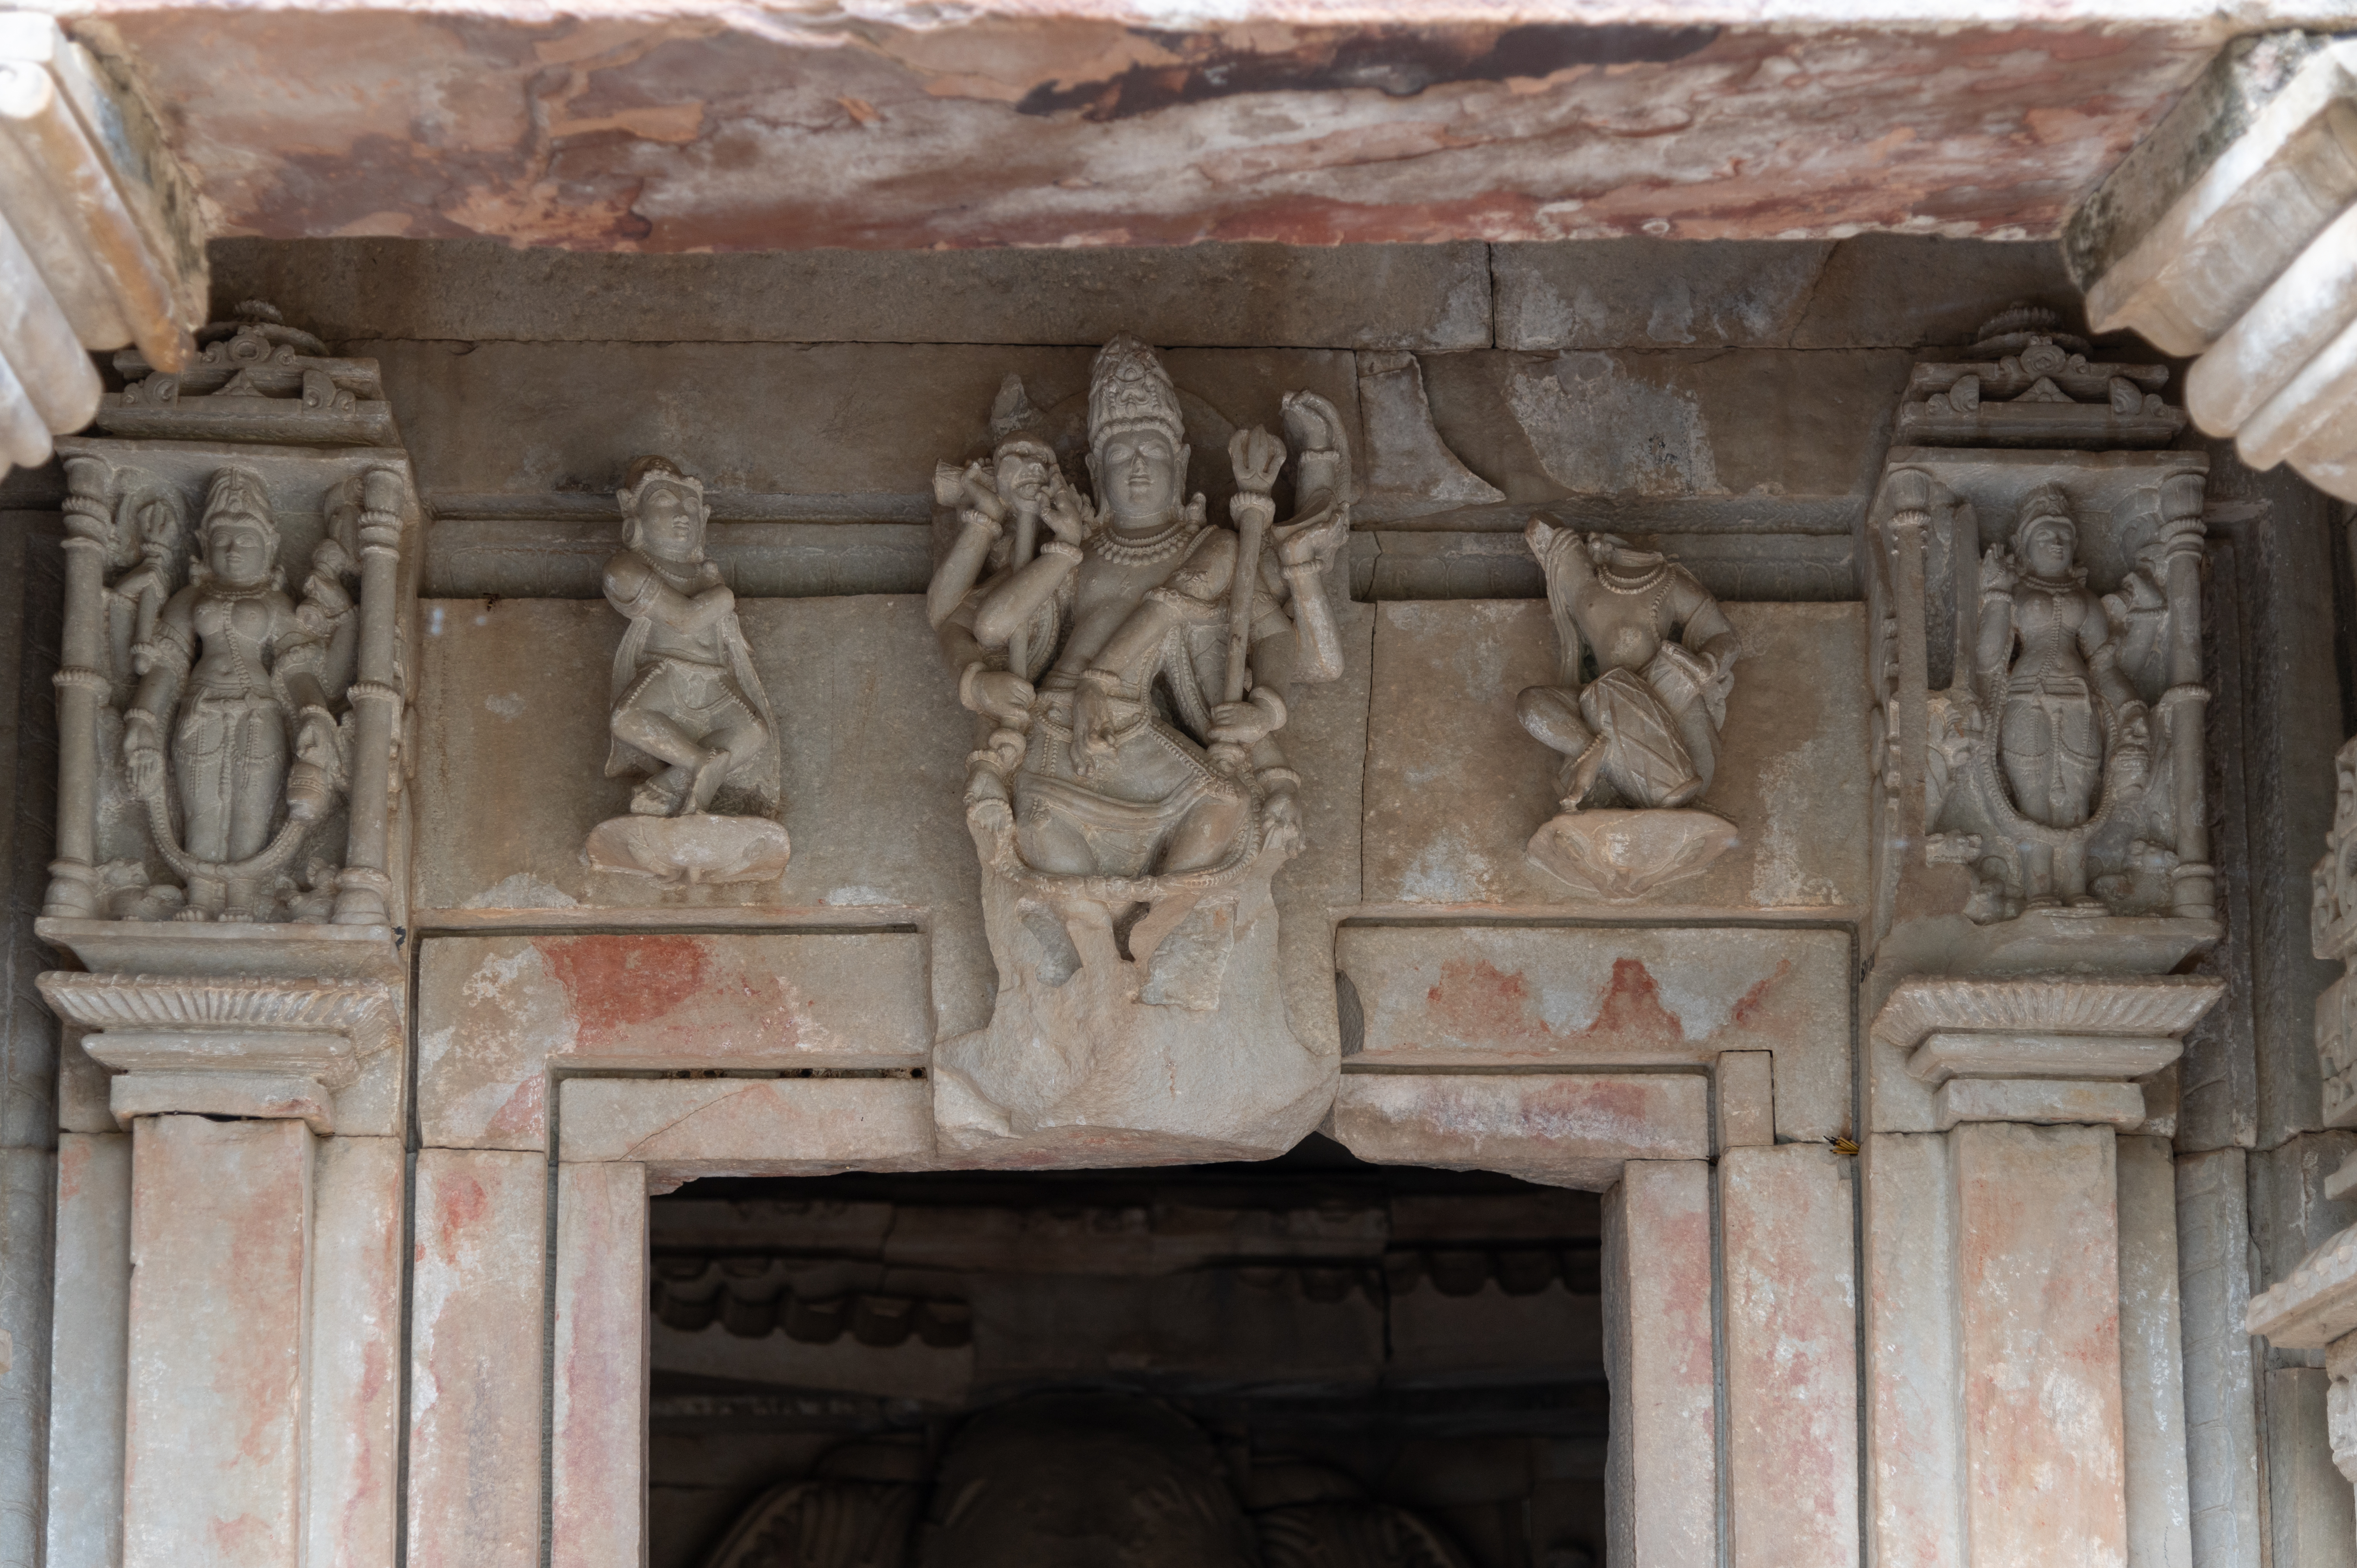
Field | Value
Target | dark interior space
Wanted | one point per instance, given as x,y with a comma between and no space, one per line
1305,1360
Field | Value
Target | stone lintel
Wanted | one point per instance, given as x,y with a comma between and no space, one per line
1572,1130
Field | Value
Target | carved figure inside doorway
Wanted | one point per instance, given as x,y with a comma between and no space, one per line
1130,664
690,719
1640,740
231,722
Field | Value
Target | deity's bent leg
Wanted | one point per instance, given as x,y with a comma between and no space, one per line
1644,758
1207,833
1551,715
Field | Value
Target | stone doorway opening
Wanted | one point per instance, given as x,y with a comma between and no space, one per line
1310,1360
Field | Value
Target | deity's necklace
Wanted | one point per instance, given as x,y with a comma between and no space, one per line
1640,586
1145,551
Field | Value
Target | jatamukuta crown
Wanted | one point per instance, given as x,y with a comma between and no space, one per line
240,493
2044,503
1129,390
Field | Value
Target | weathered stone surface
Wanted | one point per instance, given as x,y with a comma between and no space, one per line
873,755
352,1437
780,1127
678,131
1521,996
2315,1303
1661,1472
1757,427
2152,1367
762,424
1915,1468
2222,1416
1743,1093
2039,1306
1792,771
506,1009
1561,1129
2037,1100
89,1329
1786,1223
475,1348
1875,290
2309,1503
2293,1209
213,1432
1209,295
597,1433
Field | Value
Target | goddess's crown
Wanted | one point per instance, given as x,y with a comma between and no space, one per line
1129,390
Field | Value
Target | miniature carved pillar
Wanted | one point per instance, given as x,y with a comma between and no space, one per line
220,1233
363,892
2186,701
1912,492
82,685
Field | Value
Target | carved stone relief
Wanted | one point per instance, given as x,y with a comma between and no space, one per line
1129,663
230,694
690,720
2333,933
1640,739
231,832
2038,672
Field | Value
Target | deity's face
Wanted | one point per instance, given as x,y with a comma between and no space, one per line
1022,477
1138,474
2053,546
671,522
238,550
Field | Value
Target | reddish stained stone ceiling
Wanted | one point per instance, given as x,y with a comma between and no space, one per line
757,130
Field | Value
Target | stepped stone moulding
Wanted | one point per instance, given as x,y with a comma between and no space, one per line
101,238
2053,1049
2039,669
2230,233
1129,664
240,1048
1641,740
690,719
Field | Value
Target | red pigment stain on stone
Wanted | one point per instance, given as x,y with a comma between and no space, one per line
464,1204
617,982
1475,1000
520,1114
1748,1009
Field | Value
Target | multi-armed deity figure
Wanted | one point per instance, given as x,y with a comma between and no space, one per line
2052,678
1131,663
1641,740
688,714
231,670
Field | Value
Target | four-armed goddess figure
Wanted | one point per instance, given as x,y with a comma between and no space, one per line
1644,734
689,717
1130,797
2048,665
234,669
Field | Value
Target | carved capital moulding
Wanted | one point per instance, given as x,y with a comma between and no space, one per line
241,557
2036,581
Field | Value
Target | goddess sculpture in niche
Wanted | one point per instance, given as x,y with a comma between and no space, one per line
2049,669
233,670
1641,740
1130,664
690,719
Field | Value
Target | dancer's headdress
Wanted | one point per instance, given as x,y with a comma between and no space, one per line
1129,390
